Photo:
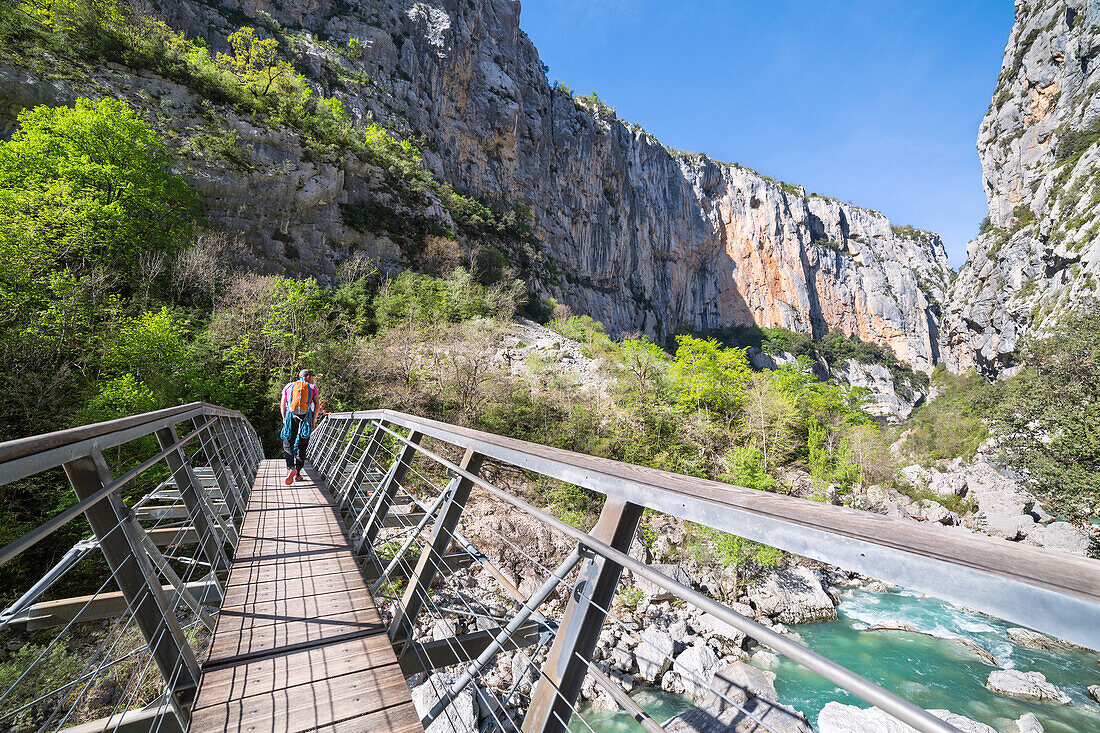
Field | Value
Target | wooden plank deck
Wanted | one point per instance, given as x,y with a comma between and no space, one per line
299,644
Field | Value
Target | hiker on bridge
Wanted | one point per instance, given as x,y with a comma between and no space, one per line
299,406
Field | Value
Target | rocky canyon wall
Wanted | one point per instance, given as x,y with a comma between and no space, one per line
1040,251
642,238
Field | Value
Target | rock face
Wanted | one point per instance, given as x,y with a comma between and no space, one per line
645,238
793,596
838,718
1040,164
461,715
1025,685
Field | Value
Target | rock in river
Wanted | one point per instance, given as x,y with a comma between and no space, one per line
793,596
1025,685
838,718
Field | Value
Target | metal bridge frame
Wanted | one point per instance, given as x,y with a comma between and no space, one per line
233,452
1053,592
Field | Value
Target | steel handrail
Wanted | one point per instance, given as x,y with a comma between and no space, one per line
855,683
1050,591
24,457
44,530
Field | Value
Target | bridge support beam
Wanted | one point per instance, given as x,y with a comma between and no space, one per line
136,579
427,567
556,693
382,498
211,543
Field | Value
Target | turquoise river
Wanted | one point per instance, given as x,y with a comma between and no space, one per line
931,669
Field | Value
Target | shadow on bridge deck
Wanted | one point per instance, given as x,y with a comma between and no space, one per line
299,644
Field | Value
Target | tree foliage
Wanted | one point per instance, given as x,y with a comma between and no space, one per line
1048,417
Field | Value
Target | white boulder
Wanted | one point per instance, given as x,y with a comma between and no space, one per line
793,596
654,592
653,655
695,667
1033,639
1028,723
1060,536
459,717
1025,685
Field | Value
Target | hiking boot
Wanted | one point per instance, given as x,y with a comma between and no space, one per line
290,476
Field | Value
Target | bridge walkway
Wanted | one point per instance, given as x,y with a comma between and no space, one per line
299,644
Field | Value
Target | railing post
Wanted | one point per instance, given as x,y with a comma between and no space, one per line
236,463
427,567
136,579
556,693
228,487
364,466
210,544
382,499
339,434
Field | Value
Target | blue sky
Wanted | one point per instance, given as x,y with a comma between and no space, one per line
877,103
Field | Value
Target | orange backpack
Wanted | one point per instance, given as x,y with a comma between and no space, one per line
299,398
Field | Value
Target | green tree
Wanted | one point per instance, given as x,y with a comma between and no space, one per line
84,186
153,349
768,417
708,376
645,364
255,61
1048,416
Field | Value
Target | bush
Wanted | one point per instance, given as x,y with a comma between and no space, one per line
1048,416
953,424
411,297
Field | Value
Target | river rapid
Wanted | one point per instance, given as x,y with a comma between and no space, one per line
932,669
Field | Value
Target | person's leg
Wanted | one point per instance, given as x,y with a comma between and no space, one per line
303,444
288,453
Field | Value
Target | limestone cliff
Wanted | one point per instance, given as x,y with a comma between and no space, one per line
636,235
642,238
1040,252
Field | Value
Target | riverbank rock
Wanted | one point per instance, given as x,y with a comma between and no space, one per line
725,638
1094,690
461,715
739,688
736,683
1028,723
968,644
792,596
1033,639
1060,536
653,655
654,592
838,718
692,671
777,719
1025,685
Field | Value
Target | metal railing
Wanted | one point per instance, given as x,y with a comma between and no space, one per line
123,655
418,541
151,573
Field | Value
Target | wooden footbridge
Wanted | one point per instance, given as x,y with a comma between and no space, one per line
230,601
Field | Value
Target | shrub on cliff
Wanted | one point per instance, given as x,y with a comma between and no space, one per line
1048,416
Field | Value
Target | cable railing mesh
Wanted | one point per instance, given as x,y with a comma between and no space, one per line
459,622
493,606
113,630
